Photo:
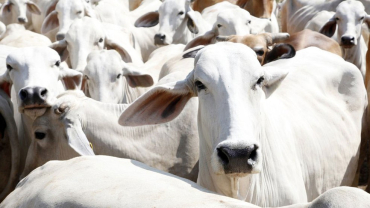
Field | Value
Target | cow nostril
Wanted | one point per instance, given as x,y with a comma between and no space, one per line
21,20
60,36
253,156
23,94
223,155
163,37
43,92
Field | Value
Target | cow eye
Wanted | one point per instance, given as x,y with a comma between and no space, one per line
9,67
249,21
57,63
119,76
219,25
79,12
362,18
86,77
337,19
100,40
260,80
260,52
181,13
200,86
39,135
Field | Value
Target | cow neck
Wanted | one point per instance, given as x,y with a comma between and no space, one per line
357,55
130,94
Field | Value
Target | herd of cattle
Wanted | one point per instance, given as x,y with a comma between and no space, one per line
212,103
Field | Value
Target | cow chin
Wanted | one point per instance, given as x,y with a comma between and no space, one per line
219,168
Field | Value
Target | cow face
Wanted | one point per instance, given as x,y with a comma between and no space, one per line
228,80
108,79
86,35
349,17
65,13
55,138
20,8
35,73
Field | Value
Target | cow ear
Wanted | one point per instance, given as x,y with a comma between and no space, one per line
72,79
51,22
51,8
191,53
5,83
274,75
5,10
329,28
204,40
224,38
280,51
150,19
85,86
367,20
33,8
193,24
115,45
137,78
89,11
77,139
159,105
61,48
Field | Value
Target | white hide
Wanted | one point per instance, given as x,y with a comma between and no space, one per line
112,182
87,34
171,147
240,111
16,35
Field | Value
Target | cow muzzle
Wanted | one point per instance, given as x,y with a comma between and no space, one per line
348,41
22,20
159,39
239,161
33,101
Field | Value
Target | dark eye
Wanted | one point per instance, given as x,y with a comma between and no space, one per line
40,135
119,76
181,13
249,21
260,80
86,77
362,18
200,86
100,40
337,19
79,12
57,63
260,52
9,67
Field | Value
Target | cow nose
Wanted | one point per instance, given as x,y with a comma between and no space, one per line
60,36
348,40
238,160
159,39
33,95
22,20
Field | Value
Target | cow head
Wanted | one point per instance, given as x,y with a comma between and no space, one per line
62,14
173,17
228,81
20,8
107,78
86,35
56,138
260,44
35,72
349,17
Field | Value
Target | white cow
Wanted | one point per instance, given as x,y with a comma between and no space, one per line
349,17
87,34
35,74
109,79
9,147
18,11
251,121
112,182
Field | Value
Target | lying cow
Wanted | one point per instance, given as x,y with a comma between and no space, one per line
111,182
252,115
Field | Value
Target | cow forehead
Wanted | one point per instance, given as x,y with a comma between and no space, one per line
169,6
84,27
232,15
33,56
227,60
353,6
103,62
67,4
